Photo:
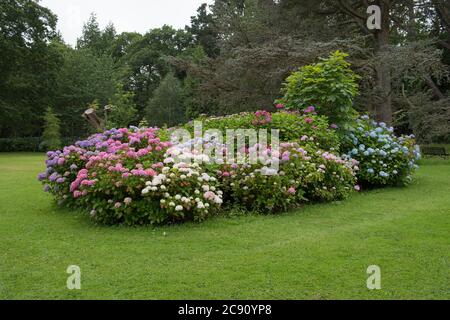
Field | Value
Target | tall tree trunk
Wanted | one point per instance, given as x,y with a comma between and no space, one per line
384,109
443,9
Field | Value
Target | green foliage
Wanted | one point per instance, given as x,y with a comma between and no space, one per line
96,40
194,102
330,86
430,120
51,137
122,112
29,63
84,77
166,105
204,31
144,65
27,144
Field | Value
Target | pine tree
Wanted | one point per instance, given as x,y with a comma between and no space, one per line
167,105
51,137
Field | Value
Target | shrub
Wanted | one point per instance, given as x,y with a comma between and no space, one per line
103,173
28,144
384,158
329,85
305,174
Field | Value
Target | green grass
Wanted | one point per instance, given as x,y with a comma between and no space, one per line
318,252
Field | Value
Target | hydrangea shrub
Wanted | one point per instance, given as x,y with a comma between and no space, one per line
305,174
137,176
107,173
385,159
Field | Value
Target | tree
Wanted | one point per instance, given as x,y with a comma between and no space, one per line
84,77
122,110
145,64
204,31
29,65
51,137
97,40
166,106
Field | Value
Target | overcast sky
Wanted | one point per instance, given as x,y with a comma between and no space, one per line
127,15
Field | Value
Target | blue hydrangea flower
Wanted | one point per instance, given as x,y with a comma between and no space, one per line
384,174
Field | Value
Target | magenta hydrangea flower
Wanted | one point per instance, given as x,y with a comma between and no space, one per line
310,109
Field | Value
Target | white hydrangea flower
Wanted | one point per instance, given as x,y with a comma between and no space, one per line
165,170
200,205
169,160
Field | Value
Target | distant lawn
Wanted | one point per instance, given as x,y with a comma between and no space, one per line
318,252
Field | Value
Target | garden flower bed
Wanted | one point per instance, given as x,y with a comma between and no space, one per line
138,176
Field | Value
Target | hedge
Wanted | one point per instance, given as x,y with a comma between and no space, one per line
28,144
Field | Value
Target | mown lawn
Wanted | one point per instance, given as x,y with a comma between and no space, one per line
318,252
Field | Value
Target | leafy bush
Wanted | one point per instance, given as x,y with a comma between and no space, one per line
27,144
105,174
329,85
384,158
23,144
304,175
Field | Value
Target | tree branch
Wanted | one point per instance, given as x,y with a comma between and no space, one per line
350,11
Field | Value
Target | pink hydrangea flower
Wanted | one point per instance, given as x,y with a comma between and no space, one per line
310,109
